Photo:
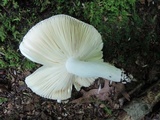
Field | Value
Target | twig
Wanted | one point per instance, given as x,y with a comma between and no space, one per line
139,107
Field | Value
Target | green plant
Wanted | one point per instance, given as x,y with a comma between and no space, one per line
28,65
110,11
11,33
107,110
124,32
2,99
104,106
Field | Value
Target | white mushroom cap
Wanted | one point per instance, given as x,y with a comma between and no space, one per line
50,43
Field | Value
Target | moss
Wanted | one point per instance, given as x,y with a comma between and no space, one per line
126,33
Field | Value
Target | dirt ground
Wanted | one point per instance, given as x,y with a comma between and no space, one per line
18,102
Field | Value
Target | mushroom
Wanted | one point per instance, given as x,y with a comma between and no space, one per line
70,52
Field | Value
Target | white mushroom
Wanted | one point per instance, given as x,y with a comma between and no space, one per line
70,52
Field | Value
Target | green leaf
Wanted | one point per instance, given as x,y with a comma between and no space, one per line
2,100
108,110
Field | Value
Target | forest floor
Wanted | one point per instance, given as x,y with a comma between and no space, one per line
138,100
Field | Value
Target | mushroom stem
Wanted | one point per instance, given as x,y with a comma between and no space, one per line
94,69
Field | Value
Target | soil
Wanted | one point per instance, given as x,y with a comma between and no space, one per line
17,101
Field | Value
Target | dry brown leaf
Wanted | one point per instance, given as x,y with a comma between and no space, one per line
101,94
120,89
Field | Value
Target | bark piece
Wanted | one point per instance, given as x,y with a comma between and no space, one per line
139,107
